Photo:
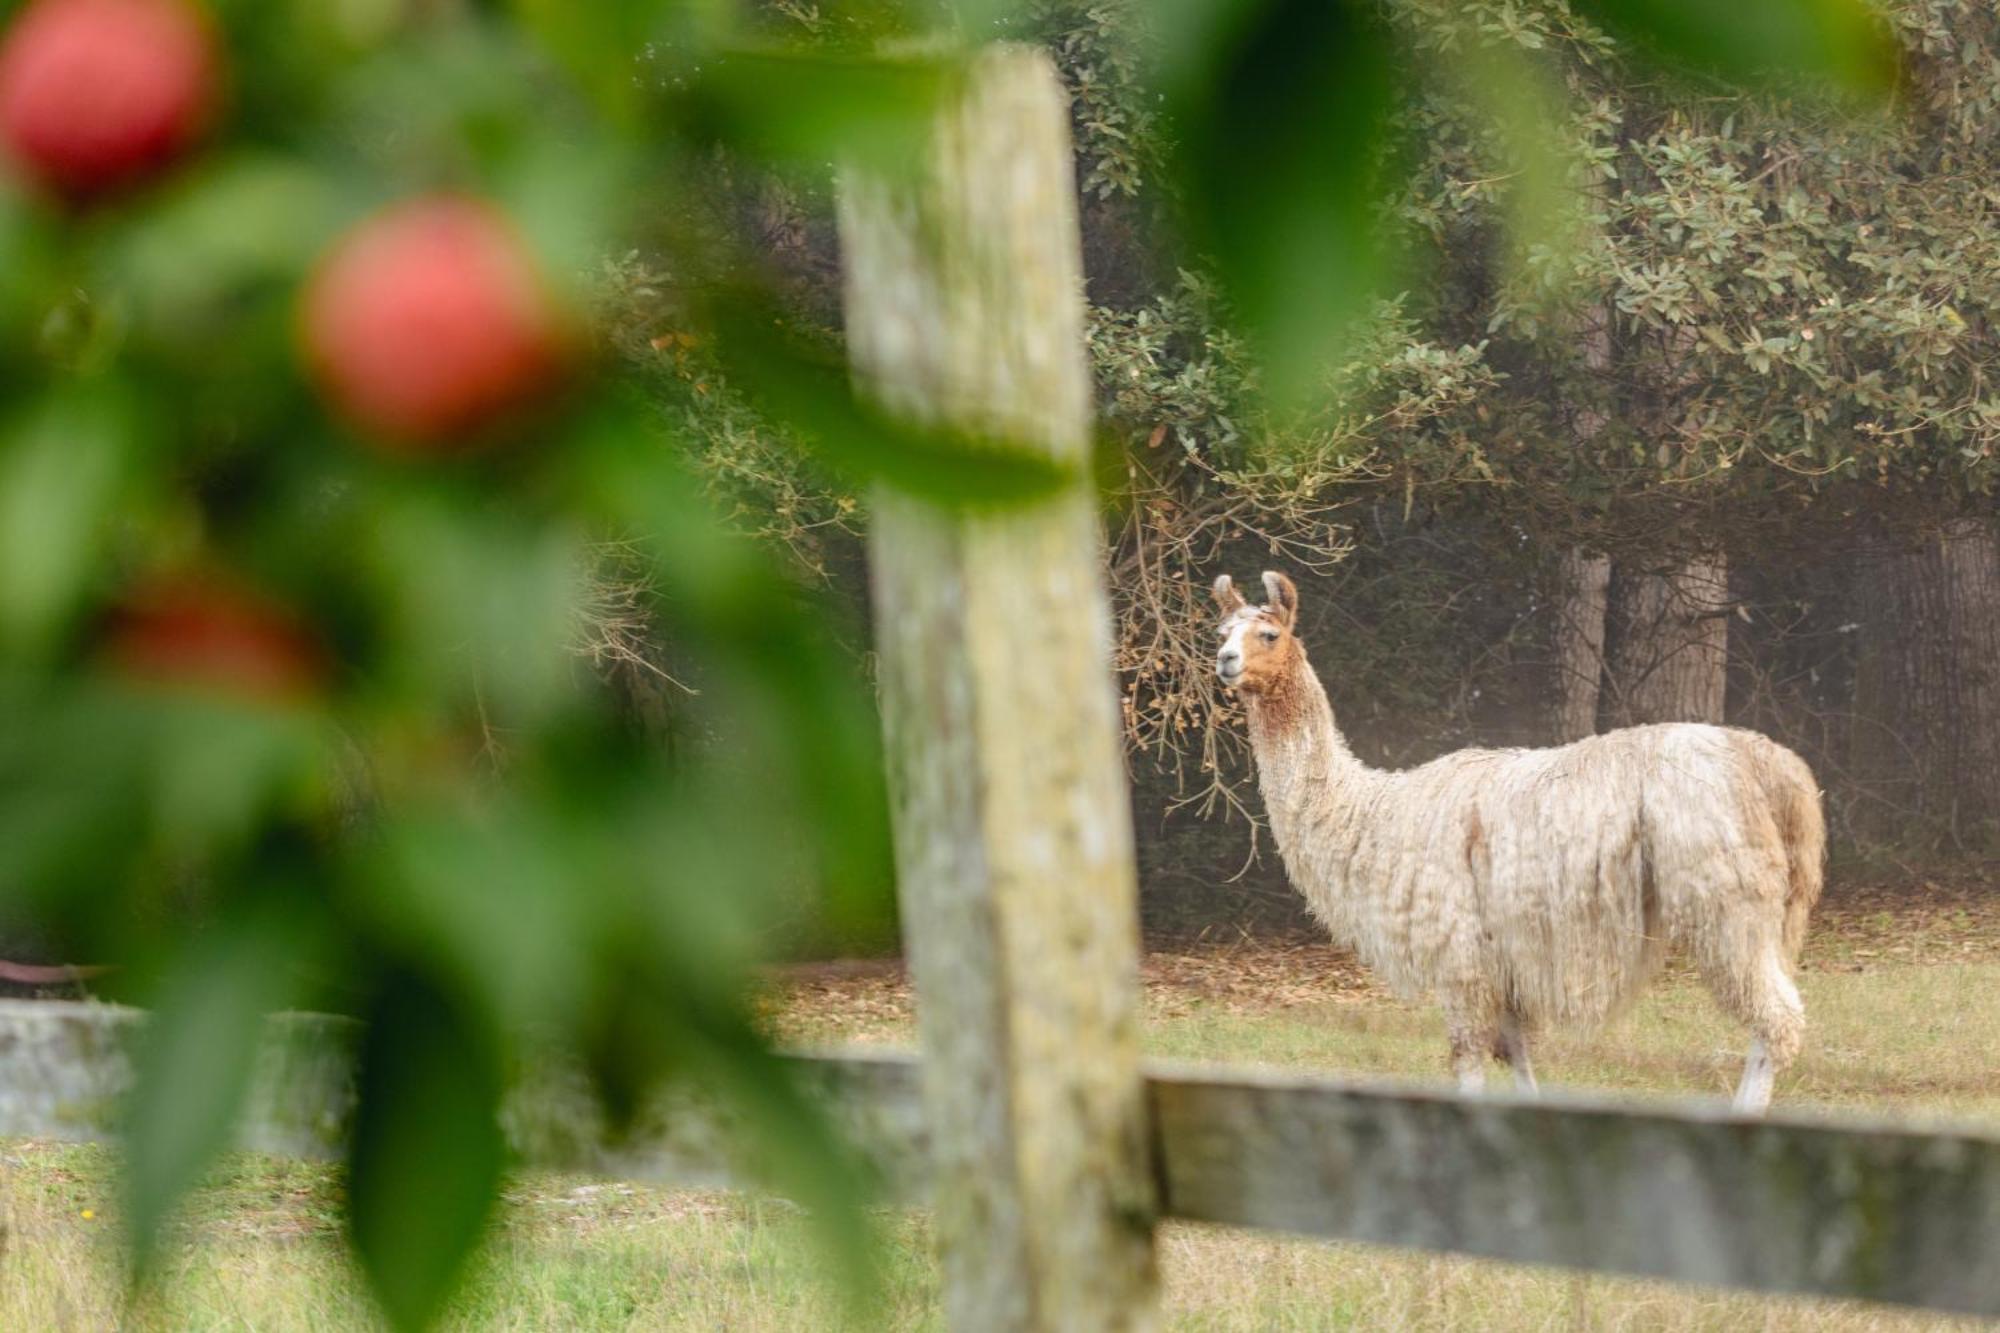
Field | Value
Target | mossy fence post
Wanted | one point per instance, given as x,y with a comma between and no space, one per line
1013,832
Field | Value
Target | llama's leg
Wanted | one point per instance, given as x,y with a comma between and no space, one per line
1756,987
1470,1044
1514,1049
1753,1094
1778,1029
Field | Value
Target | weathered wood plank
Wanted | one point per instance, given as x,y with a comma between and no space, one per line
686,1138
1832,1207
964,296
66,1067
1784,1204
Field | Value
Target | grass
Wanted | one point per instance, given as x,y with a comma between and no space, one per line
1898,1039
259,1247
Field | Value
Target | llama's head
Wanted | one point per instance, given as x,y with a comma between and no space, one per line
1256,640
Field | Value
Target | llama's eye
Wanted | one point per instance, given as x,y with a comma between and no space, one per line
1270,636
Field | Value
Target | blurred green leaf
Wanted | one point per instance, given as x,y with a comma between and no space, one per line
499,899
1285,126
257,218
799,709
572,202
445,104
425,1163
484,604
799,1154
72,780
196,1058
220,768
1841,43
819,109
25,237
601,45
707,874
63,466
818,728
811,393
632,1044
1537,172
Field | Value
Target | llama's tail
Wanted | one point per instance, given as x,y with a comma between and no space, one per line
1802,824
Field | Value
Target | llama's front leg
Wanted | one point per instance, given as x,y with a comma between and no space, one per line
1760,1071
1514,1049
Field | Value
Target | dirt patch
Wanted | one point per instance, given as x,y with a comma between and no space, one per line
871,999
845,1001
1857,928
1921,922
1255,976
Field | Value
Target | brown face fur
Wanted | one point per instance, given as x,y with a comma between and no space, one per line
1256,646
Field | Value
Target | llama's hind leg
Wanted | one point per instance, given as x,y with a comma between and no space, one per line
1468,1058
1513,1048
1474,1037
1759,991
1753,1093
1777,1021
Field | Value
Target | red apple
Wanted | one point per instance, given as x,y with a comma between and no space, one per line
211,634
98,95
430,323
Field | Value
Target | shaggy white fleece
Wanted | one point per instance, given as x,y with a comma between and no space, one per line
1530,888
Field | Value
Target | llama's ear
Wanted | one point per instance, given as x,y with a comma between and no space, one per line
1282,596
1226,596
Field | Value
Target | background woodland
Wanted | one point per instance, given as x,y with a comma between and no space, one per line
1714,442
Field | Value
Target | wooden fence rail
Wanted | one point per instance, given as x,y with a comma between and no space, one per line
1789,1204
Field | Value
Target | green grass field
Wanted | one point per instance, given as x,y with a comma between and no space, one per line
259,1248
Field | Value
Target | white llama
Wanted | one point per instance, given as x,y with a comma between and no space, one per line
1526,889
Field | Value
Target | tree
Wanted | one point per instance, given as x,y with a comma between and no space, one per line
1927,686
1775,316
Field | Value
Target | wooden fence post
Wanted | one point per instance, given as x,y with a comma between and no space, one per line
1013,840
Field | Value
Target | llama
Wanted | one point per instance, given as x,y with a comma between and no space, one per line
1533,888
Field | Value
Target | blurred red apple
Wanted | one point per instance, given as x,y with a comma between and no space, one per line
96,95
431,323
212,634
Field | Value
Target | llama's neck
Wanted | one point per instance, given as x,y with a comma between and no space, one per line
1303,763
1316,795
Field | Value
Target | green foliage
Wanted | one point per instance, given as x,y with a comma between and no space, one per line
1791,295
1794,298
60,473
421,1185
810,390
358,766
196,1065
809,107
765,484
295,718
1278,149
1101,48
1836,40
1175,363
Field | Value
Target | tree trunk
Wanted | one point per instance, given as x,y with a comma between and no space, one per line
1970,560
1926,732
1583,580
1669,661
1583,583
